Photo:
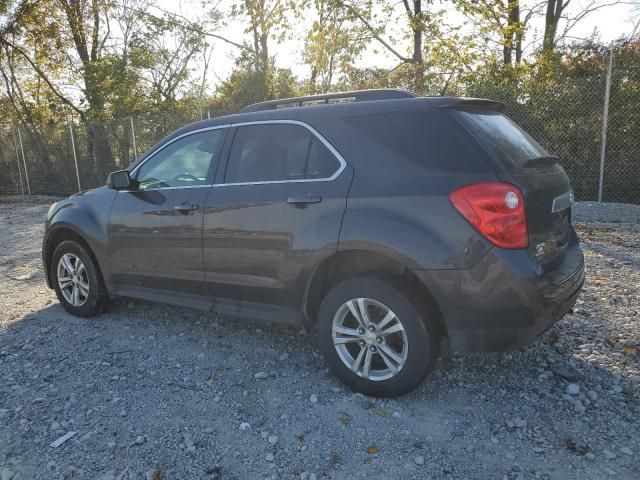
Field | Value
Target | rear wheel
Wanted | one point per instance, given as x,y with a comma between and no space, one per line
374,338
77,281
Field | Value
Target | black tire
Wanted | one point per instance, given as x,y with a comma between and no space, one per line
422,341
97,299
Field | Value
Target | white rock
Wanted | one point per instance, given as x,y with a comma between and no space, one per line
573,389
244,426
62,439
188,439
261,375
609,455
626,451
106,476
313,476
139,440
283,357
519,422
396,415
273,439
419,459
6,474
270,457
313,399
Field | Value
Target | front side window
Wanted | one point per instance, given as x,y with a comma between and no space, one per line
183,163
278,152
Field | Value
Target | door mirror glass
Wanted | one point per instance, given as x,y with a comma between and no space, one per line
119,180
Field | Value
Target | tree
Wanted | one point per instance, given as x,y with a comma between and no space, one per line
498,21
416,19
332,44
266,19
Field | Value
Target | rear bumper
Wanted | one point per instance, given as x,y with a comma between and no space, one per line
505,302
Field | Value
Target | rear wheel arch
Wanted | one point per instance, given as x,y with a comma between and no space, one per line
347,264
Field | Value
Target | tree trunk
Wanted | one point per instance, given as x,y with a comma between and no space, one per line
552,18
417,27
99,149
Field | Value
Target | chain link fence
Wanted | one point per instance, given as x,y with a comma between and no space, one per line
567,118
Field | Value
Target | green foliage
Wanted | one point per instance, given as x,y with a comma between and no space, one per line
103,62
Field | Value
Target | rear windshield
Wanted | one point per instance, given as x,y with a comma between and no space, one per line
502,138
426,137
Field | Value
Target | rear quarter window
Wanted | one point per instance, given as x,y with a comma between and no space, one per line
425,137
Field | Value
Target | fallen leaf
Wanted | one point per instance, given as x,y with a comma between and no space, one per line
380,411
373,449
209,382
629,350
345,419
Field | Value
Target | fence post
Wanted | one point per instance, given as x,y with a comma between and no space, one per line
75,157
15,143
24,161
133,136
605,121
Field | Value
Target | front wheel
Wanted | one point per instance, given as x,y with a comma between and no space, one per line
77,281
374,338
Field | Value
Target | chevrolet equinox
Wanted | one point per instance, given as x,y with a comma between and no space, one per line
384,220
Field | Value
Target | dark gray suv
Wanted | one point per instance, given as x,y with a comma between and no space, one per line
384,220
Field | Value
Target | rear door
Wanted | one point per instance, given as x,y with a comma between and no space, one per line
275,213
155,231
519,159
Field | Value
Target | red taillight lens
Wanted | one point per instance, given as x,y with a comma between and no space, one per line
496,210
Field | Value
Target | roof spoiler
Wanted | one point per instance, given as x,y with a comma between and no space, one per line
476,103
331,98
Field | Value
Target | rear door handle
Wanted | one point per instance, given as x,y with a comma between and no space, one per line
303,200
186,207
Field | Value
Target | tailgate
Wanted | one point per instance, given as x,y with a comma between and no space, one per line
547,201
517,158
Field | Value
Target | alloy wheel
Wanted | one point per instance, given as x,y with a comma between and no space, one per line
370,339
73,279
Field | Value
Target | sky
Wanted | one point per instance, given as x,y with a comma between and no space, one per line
610,23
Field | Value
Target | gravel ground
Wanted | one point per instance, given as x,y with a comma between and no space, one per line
148,391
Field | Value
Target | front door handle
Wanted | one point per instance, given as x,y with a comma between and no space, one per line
303,200
186,207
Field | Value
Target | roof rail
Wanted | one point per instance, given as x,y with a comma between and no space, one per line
331,98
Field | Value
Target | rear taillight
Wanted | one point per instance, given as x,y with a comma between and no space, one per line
496,210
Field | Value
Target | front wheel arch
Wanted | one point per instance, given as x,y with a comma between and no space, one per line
58,236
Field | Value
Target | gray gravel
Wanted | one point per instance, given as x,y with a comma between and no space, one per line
148,391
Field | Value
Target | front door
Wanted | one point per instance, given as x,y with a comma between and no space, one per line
155,231
273,216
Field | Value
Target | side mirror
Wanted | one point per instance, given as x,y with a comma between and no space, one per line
119,180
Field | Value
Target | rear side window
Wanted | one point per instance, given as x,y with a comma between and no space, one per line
502,138
278,152
426,137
